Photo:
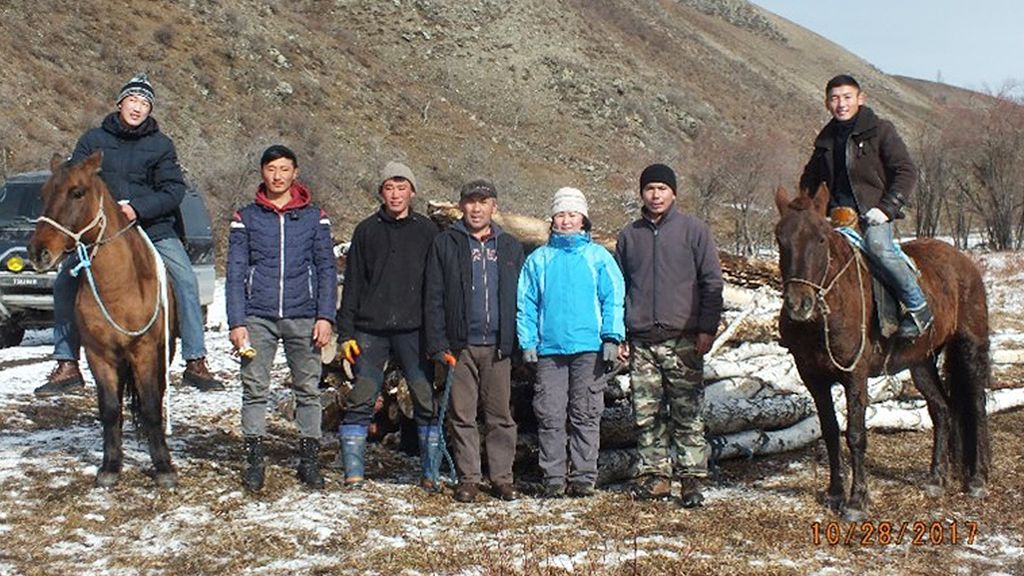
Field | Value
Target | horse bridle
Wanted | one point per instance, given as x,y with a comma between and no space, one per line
821,292
87,252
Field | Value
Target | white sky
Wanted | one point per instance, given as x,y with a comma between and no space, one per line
977,44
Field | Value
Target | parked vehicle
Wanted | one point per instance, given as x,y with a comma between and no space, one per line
26,296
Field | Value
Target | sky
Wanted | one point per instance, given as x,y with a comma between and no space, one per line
976,44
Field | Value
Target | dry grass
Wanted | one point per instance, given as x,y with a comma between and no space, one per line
758,518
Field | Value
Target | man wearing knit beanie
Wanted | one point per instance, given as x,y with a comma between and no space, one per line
381,315
140,167
673,307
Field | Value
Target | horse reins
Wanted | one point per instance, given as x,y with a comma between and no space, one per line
821,292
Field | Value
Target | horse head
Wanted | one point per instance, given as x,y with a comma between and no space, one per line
72,210
802,234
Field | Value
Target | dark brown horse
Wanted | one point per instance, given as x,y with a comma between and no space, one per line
118,311
827,322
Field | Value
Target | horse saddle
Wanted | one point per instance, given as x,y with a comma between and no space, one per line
888,308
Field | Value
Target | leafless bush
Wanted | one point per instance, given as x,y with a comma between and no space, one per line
165,35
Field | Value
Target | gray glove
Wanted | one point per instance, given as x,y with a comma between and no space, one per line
876,217
530,356
609,352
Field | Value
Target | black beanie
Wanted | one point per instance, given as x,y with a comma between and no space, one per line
658,173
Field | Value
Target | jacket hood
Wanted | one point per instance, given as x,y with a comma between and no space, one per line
300,198
113,124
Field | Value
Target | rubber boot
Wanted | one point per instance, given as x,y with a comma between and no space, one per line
353,448
254,474
309,465
430,453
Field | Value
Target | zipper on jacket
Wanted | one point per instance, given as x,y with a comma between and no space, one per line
849,180
280,270
487,295
654,280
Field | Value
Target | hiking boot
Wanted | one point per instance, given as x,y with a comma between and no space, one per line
65,377
652,488
198,375
915,323
309,467
506,492
580,490
553,490
254,473
466,492
691,493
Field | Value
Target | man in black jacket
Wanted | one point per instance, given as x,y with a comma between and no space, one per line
867,168
382,313
140,167
470,322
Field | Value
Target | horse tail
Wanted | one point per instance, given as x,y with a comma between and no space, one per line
968,369
130,394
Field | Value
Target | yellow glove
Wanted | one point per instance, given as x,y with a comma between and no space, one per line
350,349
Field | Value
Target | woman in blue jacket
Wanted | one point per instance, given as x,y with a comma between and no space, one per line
570,323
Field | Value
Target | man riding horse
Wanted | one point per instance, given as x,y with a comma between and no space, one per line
140,166
867,168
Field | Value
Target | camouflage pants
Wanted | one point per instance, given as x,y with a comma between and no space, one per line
668,400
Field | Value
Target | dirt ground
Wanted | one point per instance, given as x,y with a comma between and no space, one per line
762,516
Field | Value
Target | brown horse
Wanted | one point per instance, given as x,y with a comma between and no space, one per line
827,323
118,310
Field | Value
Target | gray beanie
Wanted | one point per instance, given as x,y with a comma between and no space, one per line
138,86
569,200
396,170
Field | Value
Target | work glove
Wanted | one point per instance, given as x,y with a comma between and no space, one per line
530,356
446,357
350,350
875,217
609,352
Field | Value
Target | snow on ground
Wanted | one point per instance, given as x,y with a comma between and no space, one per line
393,524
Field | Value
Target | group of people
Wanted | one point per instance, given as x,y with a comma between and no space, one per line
467,298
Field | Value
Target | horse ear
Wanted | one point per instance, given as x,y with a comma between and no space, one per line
821,199
94,161
55,161
782,199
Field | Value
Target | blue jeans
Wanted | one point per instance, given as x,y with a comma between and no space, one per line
893,269
66,340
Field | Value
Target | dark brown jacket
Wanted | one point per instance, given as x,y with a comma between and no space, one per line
882,175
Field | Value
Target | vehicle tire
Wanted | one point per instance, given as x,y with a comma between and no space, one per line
11,335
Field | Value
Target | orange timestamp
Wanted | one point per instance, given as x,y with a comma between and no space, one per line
886,533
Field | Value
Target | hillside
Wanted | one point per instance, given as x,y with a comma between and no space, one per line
534,94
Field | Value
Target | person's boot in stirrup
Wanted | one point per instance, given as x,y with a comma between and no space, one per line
916,322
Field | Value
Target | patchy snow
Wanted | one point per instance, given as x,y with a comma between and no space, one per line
391,516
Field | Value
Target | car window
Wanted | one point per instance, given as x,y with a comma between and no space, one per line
20,202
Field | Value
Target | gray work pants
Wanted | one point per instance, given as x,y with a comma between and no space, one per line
482,384
569,388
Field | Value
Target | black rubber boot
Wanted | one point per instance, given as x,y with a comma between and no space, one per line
255,471
309,466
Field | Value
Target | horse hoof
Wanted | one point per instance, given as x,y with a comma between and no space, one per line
934,490
977,489
107,479
854,515
835,503
166,479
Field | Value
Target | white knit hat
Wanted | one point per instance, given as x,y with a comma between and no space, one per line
569,200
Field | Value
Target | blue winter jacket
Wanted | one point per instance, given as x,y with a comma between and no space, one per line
571,297
280,261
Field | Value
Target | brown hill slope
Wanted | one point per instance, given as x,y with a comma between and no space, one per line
535,94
